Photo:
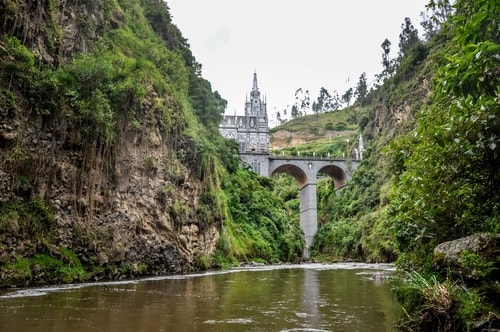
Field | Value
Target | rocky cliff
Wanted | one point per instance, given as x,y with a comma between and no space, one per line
127,205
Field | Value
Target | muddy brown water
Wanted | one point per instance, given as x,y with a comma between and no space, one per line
305,297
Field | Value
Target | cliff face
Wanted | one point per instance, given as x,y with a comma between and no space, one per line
129,203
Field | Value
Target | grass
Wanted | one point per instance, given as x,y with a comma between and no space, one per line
345,119
432,304
335,147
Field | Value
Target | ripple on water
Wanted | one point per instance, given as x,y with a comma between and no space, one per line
304,329
51,289
229,321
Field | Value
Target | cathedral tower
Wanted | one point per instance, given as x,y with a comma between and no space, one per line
251,130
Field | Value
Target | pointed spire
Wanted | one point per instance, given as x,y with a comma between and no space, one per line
254,87
254,94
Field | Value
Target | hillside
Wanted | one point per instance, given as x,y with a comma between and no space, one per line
425,194
311,132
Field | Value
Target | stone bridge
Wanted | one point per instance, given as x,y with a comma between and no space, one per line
306,171
251,131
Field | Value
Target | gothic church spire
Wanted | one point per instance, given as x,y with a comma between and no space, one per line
255,94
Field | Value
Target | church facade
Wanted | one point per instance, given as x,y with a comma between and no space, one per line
251,131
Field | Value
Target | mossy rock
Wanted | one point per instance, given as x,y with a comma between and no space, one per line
475,257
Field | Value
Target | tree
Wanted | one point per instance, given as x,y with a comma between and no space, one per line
279,118
324,103
347,96
336,101
294,112
316,108
430,27
408,37
302,101
208,106
387,63
440,12
361,89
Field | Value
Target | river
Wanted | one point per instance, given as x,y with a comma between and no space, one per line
305,297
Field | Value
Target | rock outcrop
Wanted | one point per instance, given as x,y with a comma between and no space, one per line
131,203
473,257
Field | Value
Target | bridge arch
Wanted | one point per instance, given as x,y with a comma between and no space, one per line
336,173
294,171
305,171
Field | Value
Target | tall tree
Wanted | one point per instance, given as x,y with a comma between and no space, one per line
302,101
386,60
347,96
336,101
361,89
408,37
440,11
316,108
285,111
208,106
323,103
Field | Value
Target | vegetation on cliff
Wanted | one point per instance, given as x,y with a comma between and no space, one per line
430,171
112,164
447,168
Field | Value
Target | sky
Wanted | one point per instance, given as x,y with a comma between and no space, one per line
290,44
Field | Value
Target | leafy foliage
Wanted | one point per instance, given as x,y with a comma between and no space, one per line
447,187
447,172
351,223
258,226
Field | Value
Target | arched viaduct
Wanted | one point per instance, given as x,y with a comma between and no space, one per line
305,171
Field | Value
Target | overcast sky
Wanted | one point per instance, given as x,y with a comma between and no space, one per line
290,44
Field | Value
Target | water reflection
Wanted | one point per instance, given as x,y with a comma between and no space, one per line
285,298
311,300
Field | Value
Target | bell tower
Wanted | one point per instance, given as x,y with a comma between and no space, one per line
256,107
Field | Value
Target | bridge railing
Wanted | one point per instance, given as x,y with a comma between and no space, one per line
290,157
274,155
279,153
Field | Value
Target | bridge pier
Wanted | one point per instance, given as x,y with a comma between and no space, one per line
308,215
305,170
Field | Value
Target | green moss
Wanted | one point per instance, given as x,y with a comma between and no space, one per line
29,218
476,265
204,262
17,273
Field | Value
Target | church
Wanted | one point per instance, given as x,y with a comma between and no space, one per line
251,131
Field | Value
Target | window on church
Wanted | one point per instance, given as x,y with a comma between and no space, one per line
256,167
